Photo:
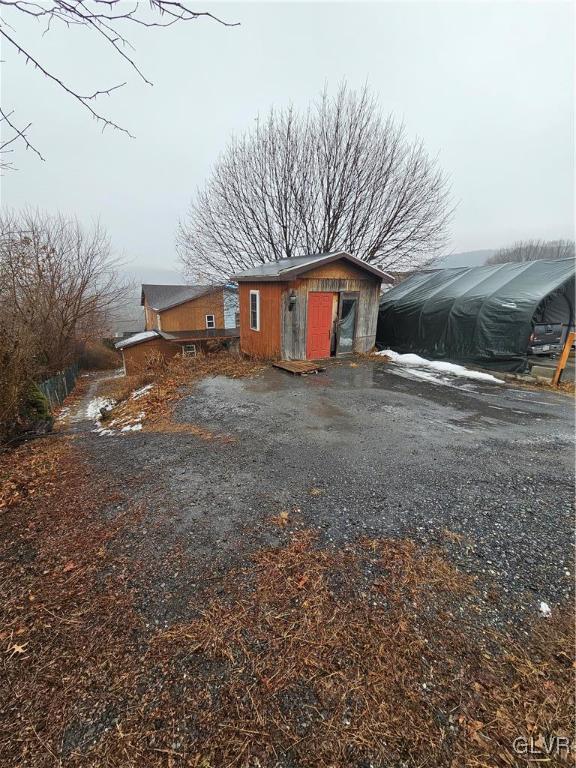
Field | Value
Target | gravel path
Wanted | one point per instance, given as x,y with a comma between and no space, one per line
483,470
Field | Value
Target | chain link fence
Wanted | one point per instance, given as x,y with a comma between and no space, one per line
57,387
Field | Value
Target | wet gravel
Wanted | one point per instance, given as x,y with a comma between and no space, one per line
484,471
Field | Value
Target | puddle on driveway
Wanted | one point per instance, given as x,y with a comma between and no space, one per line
365,396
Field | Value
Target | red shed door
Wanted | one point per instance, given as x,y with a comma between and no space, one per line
318,325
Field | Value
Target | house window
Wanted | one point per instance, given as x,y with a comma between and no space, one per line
189,350
255,310
210,321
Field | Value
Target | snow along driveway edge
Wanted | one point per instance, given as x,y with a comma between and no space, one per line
438,365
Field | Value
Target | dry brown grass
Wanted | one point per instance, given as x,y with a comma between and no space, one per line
563,388
170,382
98,356
121,387
308,656
303,662
66,619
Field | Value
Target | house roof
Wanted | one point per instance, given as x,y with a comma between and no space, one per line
138,338
161,297
179,336
286,269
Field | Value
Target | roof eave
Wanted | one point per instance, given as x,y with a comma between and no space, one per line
185,301
125,344
360,263
290,272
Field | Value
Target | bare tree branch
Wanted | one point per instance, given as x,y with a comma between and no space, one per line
17,134
104,18
337,177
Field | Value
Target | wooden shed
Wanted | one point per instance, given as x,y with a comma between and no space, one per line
309,307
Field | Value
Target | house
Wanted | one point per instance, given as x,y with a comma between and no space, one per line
181,319
309,307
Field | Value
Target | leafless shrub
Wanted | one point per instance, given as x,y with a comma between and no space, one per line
340,176
534,250
98,356
58,290
121,387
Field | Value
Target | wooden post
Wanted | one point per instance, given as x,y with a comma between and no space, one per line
563,359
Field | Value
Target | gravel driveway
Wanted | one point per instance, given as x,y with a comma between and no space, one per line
365,449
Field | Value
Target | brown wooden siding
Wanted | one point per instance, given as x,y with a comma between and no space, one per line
150,318
283,330
264,344
339,270
137,357
294,321
191,316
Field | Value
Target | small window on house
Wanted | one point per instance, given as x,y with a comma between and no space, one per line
189,350
255,310
210,321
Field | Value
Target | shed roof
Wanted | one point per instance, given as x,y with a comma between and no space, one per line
286,269
137,338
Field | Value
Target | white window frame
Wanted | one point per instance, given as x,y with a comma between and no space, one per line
208,326
189,350
257,326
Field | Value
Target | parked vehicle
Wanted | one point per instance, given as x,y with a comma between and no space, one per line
547,338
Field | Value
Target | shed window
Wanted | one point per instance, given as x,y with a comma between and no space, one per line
210,321
255,310
189,350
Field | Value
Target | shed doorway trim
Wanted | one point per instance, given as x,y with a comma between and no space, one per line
347,322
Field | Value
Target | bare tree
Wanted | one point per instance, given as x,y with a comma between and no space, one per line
340,176
534,250
106,20
59,284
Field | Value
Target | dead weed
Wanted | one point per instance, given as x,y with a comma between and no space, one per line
318,657
170,382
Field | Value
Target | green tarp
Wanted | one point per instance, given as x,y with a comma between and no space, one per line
477,315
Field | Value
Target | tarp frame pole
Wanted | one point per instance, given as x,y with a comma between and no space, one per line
563,358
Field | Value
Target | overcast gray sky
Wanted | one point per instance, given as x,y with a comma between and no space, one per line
488,86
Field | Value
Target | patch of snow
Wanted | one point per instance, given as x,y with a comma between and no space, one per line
64,413
121,427
417,362
545,609
132,427
142,391
94,406
103,431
